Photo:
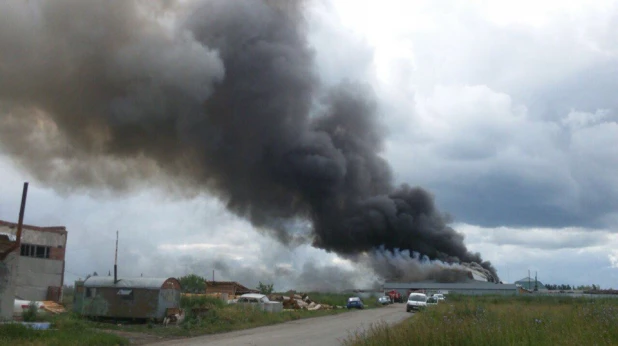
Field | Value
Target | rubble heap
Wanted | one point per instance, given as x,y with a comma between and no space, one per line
301,302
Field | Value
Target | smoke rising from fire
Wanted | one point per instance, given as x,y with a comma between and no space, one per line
226,98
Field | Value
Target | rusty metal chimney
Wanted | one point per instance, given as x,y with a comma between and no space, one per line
20,223
22,210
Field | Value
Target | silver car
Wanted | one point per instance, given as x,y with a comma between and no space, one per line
384,300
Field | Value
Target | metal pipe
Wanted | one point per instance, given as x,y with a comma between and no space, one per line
22,210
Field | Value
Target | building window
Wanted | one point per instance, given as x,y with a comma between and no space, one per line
125,294
91,292
37,251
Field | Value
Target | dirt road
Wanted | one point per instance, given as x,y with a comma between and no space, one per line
322,331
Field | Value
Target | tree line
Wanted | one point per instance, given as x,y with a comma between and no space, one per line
567,287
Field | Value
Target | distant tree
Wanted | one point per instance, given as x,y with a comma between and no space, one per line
193,283
265,288
93,274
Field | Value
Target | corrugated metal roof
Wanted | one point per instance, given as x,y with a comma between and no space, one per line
447,286
108,281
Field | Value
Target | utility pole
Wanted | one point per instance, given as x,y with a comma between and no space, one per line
116,261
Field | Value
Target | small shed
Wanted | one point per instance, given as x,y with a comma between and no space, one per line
131,298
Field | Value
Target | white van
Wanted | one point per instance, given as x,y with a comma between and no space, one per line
416,301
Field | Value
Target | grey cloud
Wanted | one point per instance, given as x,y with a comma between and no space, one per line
491,162
548,239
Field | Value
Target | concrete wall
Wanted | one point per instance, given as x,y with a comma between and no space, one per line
8,271
35,275
52,239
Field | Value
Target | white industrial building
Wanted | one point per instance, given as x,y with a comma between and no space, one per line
38,273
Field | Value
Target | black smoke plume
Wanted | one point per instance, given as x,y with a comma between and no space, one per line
224,97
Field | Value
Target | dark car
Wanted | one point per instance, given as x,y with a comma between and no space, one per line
355,303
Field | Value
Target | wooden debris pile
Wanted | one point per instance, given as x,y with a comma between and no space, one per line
300,302
52,307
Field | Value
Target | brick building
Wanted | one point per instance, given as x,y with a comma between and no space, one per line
40,268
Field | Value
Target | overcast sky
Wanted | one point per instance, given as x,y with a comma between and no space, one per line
504,110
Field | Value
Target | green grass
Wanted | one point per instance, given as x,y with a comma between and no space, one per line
529,320
66,330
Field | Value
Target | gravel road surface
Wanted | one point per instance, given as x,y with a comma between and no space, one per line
319,331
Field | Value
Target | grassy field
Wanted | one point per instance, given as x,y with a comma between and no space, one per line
503,321
67,330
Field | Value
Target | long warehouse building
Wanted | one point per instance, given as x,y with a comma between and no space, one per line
470,288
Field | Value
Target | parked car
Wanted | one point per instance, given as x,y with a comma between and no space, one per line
439,296
261,301
355,303
253,298
384,300
416,301
432,301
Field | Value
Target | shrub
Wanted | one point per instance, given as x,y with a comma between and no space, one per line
31,313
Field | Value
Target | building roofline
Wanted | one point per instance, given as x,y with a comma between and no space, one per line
127,282
53,229
436,285
214,284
